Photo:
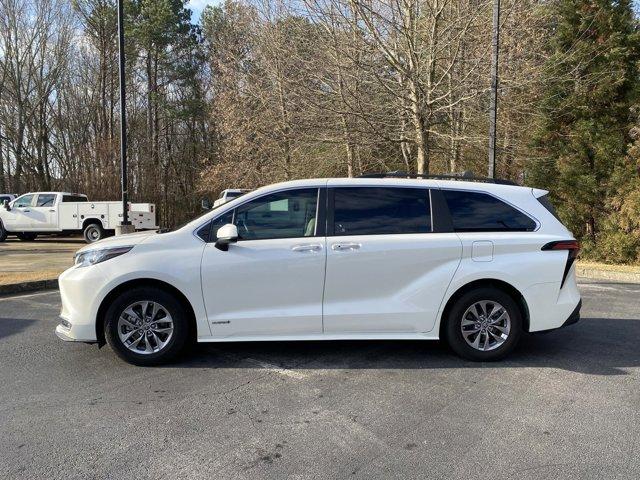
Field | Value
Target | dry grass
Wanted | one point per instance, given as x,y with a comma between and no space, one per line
609,267
8,278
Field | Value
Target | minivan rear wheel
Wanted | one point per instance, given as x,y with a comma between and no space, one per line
484,324
146,326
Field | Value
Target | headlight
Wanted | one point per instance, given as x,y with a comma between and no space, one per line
91,257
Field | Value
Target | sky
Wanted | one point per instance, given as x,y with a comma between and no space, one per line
198,5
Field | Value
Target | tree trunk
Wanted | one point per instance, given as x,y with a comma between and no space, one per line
421,139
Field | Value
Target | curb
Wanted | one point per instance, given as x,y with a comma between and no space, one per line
28,286
606,274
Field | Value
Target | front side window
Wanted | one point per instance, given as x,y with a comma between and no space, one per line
287,214
381,210
24,201
46,200
480,212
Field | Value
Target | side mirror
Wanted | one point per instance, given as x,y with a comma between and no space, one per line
205,204
6,206
226,234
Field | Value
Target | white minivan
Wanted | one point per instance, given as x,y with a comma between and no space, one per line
477,263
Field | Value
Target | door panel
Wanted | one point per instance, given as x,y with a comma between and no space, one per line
387,270
271,281
18,219
44,214
264,287
387,283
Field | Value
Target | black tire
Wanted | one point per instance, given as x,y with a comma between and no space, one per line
453,327
3,233
26,236
93,232
175,344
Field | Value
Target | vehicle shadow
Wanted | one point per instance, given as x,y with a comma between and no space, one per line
594,346
11,326
46,239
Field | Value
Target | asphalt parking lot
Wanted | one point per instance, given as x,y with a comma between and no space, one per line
564,405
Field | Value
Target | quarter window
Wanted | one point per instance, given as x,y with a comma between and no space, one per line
381,210
479,212
217,223
24,201
287,214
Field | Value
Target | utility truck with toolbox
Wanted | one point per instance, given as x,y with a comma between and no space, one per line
37,213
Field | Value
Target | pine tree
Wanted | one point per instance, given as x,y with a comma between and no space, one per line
591,82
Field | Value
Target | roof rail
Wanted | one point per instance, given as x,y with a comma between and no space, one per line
465,176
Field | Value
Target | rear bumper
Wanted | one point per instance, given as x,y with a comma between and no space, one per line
574,317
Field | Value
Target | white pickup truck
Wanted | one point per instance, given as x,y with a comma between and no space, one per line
60,212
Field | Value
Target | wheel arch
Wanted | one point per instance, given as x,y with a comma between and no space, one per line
486,282
88,221
143,282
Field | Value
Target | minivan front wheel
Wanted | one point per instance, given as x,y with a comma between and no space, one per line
484,324
146,326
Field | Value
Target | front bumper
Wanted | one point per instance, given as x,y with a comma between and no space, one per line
80,295
77,333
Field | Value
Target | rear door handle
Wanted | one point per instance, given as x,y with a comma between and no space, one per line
341,247
307,247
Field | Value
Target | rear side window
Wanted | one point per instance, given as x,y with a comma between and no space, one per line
381,210
74,198
479,212
46,200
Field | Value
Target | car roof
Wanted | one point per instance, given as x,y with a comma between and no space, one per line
400,182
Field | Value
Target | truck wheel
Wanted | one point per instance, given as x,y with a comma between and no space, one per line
3,233
93,232
27,237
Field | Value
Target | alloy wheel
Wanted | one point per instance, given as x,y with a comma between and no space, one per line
145,327
485,325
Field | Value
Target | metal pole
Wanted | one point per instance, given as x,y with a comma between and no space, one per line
123,117
493,109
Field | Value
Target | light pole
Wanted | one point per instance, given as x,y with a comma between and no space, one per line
493,108
125,226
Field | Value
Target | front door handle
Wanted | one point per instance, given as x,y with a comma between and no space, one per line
307,247
26,211
341,247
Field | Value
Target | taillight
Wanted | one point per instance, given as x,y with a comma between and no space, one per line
573,246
